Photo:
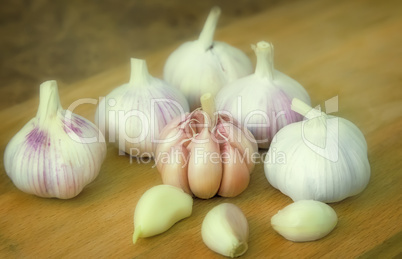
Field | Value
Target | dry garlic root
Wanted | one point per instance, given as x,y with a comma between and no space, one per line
225,230
158,209
305,220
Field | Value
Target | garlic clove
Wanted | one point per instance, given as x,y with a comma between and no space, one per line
305,220
174,171
170,139
225,230
205,168
244,143
158,209
57,153
236,175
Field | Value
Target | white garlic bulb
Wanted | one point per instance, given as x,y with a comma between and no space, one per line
204,65
159,208
225,230
133,114
261,101
305,220
325,158
57,153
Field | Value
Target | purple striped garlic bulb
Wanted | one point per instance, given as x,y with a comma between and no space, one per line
261,101
132,115
57,153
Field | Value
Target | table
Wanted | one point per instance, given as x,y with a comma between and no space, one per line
349,49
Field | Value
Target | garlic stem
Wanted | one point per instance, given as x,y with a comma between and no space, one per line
208,106
139,72
265,59
304,109
49,100
206,37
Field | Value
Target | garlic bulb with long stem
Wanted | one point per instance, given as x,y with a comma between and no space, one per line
206,153
57,153
325,157
133,114
225,230
261,101
204,65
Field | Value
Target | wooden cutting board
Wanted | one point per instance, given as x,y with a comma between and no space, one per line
348,49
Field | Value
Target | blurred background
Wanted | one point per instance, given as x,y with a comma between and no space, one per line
70,40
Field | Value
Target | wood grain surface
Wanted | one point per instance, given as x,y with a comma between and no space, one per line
349,49
70,40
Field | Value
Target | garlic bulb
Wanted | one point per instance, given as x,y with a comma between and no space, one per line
206,153
204,65
158,209
305,220
225,230
133,114
261,101
326,158
57,153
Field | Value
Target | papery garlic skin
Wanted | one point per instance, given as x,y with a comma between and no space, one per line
133,114
326,158
305,220
261,101
158,209
206,153
57,153
225,230
205,66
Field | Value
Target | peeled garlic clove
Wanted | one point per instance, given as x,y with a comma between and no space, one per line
133,114
158,209
225,230
261,101
204,65
57,153
205,168
305,220
323,158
